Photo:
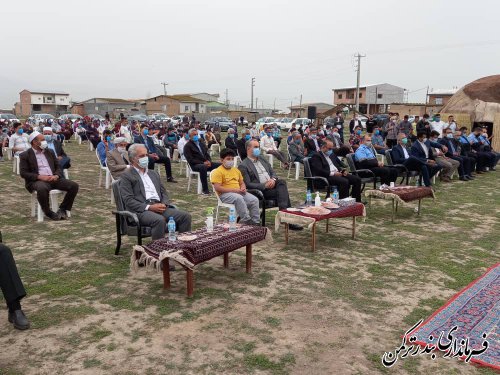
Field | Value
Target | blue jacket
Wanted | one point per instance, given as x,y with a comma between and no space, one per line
419,153
150,145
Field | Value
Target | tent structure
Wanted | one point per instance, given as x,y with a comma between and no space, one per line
479,99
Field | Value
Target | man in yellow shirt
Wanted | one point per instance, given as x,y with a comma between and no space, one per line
228,184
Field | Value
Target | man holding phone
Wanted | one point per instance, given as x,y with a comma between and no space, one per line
326,164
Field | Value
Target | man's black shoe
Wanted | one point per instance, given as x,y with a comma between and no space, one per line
19,320
53,216
463,178
470,177
295,227
171,179
62,214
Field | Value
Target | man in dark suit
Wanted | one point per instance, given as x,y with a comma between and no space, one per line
154,157
401,155
354,122
12,288
42,173
424,126
421,149
144,194
199,160
338,122
312,141
56,147
230,141
326,164
454,152
241,144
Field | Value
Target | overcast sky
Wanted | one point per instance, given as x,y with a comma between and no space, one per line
126,48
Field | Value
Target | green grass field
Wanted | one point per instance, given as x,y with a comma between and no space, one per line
335,311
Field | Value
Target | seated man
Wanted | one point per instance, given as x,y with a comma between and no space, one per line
12,288
196,154
296,148
170,140
339,148
104,146
486,143
230,141
240,143
153,156
421,149
453,145
258,174
378,141
366,159
326,164
56,147
355,138
482,151
42,173
449,166
144,194
401,155
311,144
184,138
269,147
117,159
18,141
228,184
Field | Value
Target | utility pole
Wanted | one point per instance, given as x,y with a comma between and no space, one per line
256,103
358,69
274,108
165,84
426,96
300,106
252,85
227,100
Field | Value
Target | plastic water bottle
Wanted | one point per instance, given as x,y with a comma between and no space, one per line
317,200
232,220
171,229
210,221
308,198
335,195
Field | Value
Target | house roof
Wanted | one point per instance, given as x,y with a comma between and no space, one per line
361,87
111,100
55,92
318,105
186,99
443,92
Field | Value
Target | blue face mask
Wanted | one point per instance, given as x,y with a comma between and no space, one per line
20,131
248,137
377,132
449,135
256,152
231,135
108,138
196,138
48,138
358,132
298,141
269,134
186,137
313,136
146,131
329,153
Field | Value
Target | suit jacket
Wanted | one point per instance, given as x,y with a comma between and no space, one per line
193,155
320,167
250,175
296,150
421,127
231,143
28,166
59,149
448,143
310,146
116,164
133,193
149,143
417,150
242,150
398,155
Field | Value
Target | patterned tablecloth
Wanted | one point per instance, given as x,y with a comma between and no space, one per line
205,247
301,218
402,193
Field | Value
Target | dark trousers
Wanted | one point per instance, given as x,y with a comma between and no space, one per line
279,193
483,160
413,164
65,162
10,282
343,184
473,160
203,169
386,174
43,189
465,165
158,223
161,160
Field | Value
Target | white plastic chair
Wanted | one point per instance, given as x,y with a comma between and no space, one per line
192,174
7,151
101,169
66,174
36,209
182,161
271,158
91,146
296,163
222,204
214,149
15,164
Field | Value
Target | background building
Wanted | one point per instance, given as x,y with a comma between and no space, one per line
301,110
42,101
372,98
440,97
113,106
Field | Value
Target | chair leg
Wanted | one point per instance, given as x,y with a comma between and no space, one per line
40,213
108,179
33,205
100,177
297,170
118,235
199,189
189,182
53,202
217,214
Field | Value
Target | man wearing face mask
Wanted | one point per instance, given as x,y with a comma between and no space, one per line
378,141
229,185
422,151
184,138
230,141
448,166
339,148
144,194
296,148
454,149
311,143
18,141
353,123
355,138
370,124
258,174
117,159
153,154
42,173
196,154
241,144
269,147
55,146
338,122
104,146
365,158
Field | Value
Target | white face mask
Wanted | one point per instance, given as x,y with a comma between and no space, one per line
228,164
121,149
43,145
143,162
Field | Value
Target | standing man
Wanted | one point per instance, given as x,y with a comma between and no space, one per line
438,125
370,124
354,122
424,126
42,173
451,124
338,122
405,126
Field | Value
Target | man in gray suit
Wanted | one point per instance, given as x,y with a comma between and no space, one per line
258,174
144,194
117,159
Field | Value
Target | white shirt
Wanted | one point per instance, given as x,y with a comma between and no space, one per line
267,143
405,152
438,126
180,145
20,142
333,168
149,187
426,150
452,126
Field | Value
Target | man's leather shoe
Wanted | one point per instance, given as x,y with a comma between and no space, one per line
470,177
62,214
295,227
171,179
19,320
463,178
53,216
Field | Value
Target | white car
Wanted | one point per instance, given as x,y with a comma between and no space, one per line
301,121
285,123
70,116
42,117
8,119
176,120
159,117
265,121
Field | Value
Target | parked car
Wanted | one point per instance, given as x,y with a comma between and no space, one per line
95,116
222,122
265,121
285,123
70,116
301,121
139,118
381,118
41,117
159,117
176,120
8,119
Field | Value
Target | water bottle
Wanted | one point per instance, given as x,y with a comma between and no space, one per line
317,200
171,229
232,220
210,221
335,195
308,198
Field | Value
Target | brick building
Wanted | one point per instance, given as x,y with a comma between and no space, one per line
372,98
42,101
162,104
440,97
